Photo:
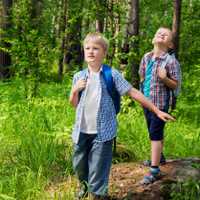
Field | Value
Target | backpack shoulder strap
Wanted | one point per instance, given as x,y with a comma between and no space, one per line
110,85
83,74
107,76
163,65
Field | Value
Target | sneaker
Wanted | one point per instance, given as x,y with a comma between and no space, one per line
153,175
99,197
162,161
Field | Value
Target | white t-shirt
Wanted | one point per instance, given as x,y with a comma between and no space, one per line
92,99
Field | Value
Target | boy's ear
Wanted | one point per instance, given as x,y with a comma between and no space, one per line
105,54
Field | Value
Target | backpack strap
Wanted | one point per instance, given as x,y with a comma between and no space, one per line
110,85
173,93
107,76
163,65
83,73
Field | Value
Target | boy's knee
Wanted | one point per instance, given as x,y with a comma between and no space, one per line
156,136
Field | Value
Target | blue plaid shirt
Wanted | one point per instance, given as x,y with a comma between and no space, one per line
106,116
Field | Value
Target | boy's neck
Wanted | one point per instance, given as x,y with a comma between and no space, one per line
94,67
159,50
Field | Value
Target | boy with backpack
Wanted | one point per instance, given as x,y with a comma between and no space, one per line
95,123
160,80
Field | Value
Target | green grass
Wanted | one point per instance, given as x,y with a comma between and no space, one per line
181,137
35,139
35,142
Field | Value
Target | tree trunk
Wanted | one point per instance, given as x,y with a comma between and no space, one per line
73,51
100,15
176,24
133,34
5,23
63,35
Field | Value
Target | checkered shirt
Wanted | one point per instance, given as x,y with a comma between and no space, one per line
106,115
159,92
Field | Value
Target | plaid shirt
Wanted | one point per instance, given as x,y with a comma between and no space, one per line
106,116
159,92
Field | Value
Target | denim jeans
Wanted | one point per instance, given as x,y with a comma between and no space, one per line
92,162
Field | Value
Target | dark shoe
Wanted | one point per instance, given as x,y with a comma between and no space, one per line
153,175
162,161
99,197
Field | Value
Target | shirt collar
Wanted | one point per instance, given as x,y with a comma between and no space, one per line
162,57
87,72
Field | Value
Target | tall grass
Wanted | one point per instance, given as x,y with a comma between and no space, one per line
182,137
35,140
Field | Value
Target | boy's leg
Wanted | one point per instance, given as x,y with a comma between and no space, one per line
156,134
100,160
80,162
156,149
155,127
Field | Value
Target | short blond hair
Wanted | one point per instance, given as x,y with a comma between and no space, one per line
97,38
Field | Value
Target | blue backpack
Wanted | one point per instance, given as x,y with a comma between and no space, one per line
107,76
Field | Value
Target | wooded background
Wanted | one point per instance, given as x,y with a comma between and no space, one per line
41,37
41,49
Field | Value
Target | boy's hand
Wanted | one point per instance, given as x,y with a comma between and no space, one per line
162,73
80,85
165,116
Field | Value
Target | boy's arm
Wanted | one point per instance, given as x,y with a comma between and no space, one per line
170,75
138,96
169,82
74,98
74,95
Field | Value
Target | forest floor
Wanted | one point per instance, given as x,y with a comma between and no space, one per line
125,180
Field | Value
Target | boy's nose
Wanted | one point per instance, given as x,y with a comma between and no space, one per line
90,50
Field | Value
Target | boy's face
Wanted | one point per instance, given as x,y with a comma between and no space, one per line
93,52
163,36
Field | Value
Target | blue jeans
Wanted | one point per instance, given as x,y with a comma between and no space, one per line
92,162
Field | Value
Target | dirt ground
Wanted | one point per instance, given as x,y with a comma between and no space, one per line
125,180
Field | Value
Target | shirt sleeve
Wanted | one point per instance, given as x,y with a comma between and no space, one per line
173,69
76,77
121,84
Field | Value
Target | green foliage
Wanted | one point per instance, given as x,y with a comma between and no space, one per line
189,190
35,143
36,120
32,51
182,136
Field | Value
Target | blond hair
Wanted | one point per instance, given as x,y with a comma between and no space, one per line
97,38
